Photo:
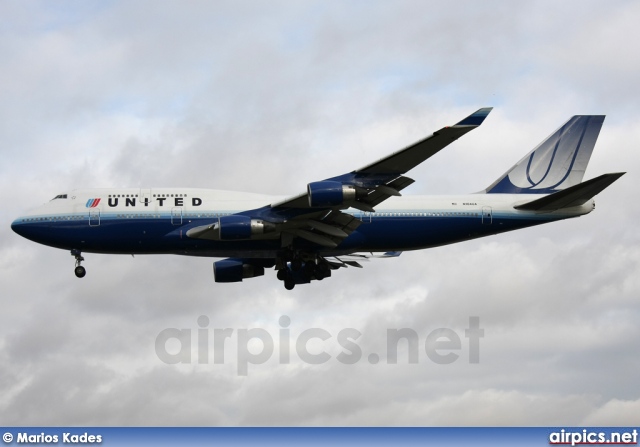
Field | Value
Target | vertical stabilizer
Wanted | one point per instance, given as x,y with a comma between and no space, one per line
557,163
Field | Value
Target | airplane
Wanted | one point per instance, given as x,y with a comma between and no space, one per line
337,222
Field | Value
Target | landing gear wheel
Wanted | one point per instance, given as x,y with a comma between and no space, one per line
289,284
282,274
325,269
309,269
322,271
80,271
296,264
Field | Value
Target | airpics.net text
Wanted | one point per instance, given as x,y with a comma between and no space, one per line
257,346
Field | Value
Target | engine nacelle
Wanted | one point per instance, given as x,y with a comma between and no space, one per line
233,270
242,227
329,193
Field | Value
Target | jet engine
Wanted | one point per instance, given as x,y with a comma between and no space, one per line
234,270
329,193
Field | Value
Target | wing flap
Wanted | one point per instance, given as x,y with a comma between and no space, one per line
328,229
383,192
354,259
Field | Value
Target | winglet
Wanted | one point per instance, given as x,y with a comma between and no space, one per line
476,118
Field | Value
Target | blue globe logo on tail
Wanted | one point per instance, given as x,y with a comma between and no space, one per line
555,164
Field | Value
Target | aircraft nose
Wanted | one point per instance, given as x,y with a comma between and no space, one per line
17,227
26,230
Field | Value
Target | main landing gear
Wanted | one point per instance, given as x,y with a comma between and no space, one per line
80,271
301,272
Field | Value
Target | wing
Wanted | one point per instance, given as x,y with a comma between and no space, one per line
408,158
315,216
384,178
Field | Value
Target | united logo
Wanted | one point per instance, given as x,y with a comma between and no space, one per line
92,203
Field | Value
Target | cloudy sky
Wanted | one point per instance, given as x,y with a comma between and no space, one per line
265,97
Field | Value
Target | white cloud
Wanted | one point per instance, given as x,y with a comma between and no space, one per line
615,412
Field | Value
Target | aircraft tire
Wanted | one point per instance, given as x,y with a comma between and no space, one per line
310,269
296,264
282,274
324,269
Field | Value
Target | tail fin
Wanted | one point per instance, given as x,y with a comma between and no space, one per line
555,164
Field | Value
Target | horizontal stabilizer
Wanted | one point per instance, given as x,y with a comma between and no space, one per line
575,195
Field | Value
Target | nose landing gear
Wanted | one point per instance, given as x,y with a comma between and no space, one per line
80,271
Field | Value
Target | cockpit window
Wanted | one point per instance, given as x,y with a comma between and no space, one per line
60,196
